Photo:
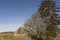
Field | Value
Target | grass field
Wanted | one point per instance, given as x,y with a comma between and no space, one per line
21,37
12,37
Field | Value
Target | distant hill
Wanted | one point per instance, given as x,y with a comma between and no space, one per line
8,32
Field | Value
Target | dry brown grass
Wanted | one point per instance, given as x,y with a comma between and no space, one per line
12,37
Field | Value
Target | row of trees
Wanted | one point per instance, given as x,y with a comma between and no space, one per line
44,23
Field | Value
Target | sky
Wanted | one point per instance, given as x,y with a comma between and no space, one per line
14,13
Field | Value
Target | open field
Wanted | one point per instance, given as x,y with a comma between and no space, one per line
12,37
21,37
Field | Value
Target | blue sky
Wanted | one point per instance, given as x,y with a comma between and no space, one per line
13,13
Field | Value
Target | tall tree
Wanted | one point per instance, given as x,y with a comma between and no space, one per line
48,13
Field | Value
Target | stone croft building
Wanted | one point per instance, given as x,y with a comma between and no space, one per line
19,31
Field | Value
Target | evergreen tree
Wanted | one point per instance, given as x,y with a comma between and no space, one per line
48,13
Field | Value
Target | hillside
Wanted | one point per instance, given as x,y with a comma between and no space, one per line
8,32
